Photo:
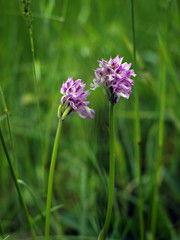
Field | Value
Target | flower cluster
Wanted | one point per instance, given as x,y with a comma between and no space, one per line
115,77
74,99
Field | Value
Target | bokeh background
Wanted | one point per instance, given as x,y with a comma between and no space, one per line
69,37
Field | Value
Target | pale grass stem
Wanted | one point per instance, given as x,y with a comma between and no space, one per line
160,145
13,173
137,131
6,111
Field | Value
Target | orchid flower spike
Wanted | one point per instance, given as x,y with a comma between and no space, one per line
74,100
115,77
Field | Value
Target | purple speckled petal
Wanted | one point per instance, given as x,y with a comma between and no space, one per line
74,96
86,112
115,77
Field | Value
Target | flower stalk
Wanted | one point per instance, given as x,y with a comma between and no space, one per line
50,181
104,231
115,78
73,100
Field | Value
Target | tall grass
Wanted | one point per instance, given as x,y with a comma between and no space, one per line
138,141
9,125
14,176
160,147
163,76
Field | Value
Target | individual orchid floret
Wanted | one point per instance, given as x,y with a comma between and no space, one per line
115,77
74,99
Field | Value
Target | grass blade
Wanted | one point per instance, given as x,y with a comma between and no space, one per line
137,130
13,173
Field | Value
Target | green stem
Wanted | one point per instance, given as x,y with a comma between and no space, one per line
37,96
133,32
50,181
1,230
162,74
9,125
103,233
160,145
138,132
13,173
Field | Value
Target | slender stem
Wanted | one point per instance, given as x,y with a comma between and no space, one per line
84,190
50,181
111,169
37,94
160,145
1,230
13,173
138,132
28,16
162,73
9,125
103,233
133,33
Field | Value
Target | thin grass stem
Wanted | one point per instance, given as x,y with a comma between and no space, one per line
1,230
84,178
37,89
160,145
64,11
13,173
162,75
50,181
32,196
137,131
9,125
104,231
28,16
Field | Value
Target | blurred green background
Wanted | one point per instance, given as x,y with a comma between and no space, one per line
69,37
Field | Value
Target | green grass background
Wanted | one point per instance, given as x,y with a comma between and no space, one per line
90,30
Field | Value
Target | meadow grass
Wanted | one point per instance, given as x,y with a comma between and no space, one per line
138,141
8,124
68,38
14,176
